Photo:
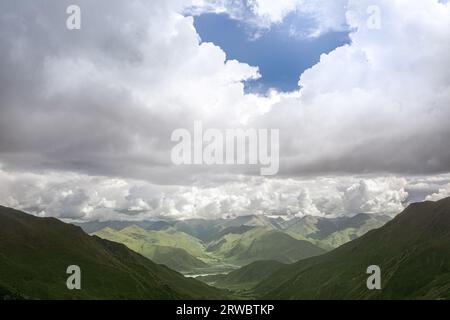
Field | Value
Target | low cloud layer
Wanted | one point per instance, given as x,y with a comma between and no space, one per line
83,197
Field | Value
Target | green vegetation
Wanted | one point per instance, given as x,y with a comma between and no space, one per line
412,251
330,233
253,256
262,243
35,253
234,245
177,250
213,247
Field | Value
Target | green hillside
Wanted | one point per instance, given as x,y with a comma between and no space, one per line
327,233
412,250
175,258
134,237
233,230
262,243
35,253
177,250
330,233
238,245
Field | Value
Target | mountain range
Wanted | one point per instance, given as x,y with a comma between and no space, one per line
207,246
251,257
235,246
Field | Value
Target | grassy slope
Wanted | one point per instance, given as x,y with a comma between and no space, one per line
413,251
174,258
240,245
262,244
176,250
332,233
35,252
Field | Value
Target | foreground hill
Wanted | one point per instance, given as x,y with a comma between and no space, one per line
177,250
35,253
412,250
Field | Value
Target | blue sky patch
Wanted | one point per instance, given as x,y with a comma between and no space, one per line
281,53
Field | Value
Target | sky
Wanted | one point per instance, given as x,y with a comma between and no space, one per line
280,53
359,91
